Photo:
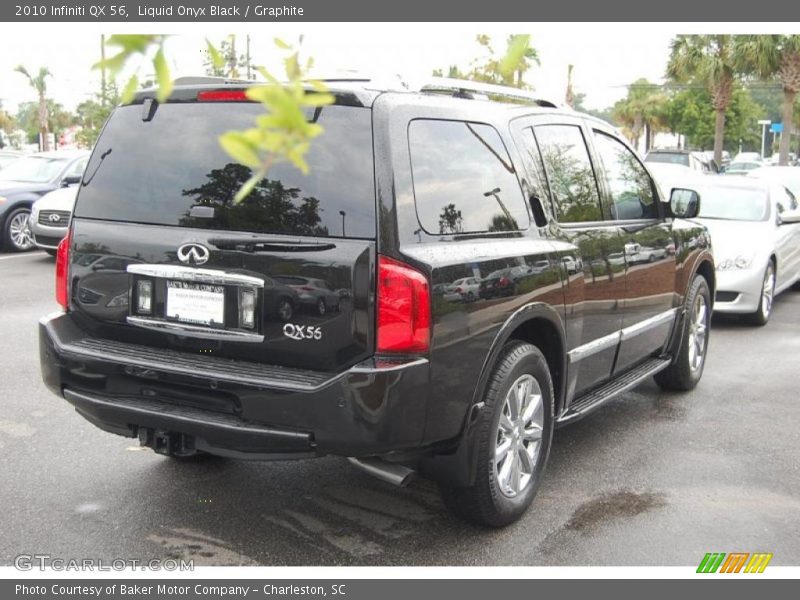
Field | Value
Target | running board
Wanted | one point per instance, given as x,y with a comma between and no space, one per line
595,398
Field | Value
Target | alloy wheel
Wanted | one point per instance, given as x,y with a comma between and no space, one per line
519,436
20,232
768,291
698,329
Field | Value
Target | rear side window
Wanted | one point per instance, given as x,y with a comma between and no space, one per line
157,171
569,172
631,189
464,181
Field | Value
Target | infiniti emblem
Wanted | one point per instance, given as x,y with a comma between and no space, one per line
54,218
193,253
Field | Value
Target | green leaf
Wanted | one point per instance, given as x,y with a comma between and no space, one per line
282,45
163,76
247,187
517,47
216,58
114,63
318,99
240,148
131,43
129,90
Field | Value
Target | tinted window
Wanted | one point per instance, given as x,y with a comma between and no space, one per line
464,181
677,158
156,171
569,173
630,186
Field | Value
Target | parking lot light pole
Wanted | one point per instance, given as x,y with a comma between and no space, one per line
764,124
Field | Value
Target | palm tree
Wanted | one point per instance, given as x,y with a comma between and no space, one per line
39,83
526,61
707,60
774,57
641,111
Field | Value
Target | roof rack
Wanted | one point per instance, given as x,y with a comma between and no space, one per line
209,80
462,88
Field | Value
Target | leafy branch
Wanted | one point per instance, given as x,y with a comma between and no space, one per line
146,46
282,134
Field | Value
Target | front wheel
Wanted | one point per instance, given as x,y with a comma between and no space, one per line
764,310
17,234
513,435
687,365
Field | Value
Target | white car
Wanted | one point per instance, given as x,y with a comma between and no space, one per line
788,177
50,217
755,232
464,289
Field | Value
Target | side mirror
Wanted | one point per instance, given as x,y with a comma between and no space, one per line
684,204
788,217
71,180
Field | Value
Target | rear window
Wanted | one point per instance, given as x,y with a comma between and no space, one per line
156,171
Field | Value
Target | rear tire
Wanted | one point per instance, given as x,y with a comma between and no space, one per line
513,436
762,314
687,366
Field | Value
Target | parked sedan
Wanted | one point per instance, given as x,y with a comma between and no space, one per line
26,180
7,157
50,217
755,232
465,289
788,177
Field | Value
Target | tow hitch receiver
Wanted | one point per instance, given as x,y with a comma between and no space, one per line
166,442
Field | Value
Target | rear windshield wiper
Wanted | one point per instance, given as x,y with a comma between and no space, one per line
264,244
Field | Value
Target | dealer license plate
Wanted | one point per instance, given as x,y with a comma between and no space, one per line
198,303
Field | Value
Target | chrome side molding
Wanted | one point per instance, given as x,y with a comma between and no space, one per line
612,339
196,331
180,273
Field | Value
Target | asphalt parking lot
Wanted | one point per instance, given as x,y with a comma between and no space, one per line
655,478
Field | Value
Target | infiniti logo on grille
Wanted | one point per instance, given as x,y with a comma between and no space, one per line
193,254
54,218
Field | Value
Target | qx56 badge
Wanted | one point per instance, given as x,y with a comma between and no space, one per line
302,332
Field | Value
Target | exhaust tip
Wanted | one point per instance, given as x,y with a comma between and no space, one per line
396,474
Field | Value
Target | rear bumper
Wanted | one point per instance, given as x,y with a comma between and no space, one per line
234,408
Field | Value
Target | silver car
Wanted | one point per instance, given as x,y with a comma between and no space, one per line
50,217
755,232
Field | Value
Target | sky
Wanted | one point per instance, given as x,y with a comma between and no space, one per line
605,62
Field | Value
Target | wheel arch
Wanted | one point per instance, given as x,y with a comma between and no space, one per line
536,323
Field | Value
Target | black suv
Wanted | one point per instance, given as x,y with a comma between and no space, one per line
190,345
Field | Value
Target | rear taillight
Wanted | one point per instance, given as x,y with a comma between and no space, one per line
62,271
404,308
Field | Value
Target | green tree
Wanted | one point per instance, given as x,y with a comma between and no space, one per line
641,111
39,83
92,114
774,57
689,112
707,60
509,69
28,114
